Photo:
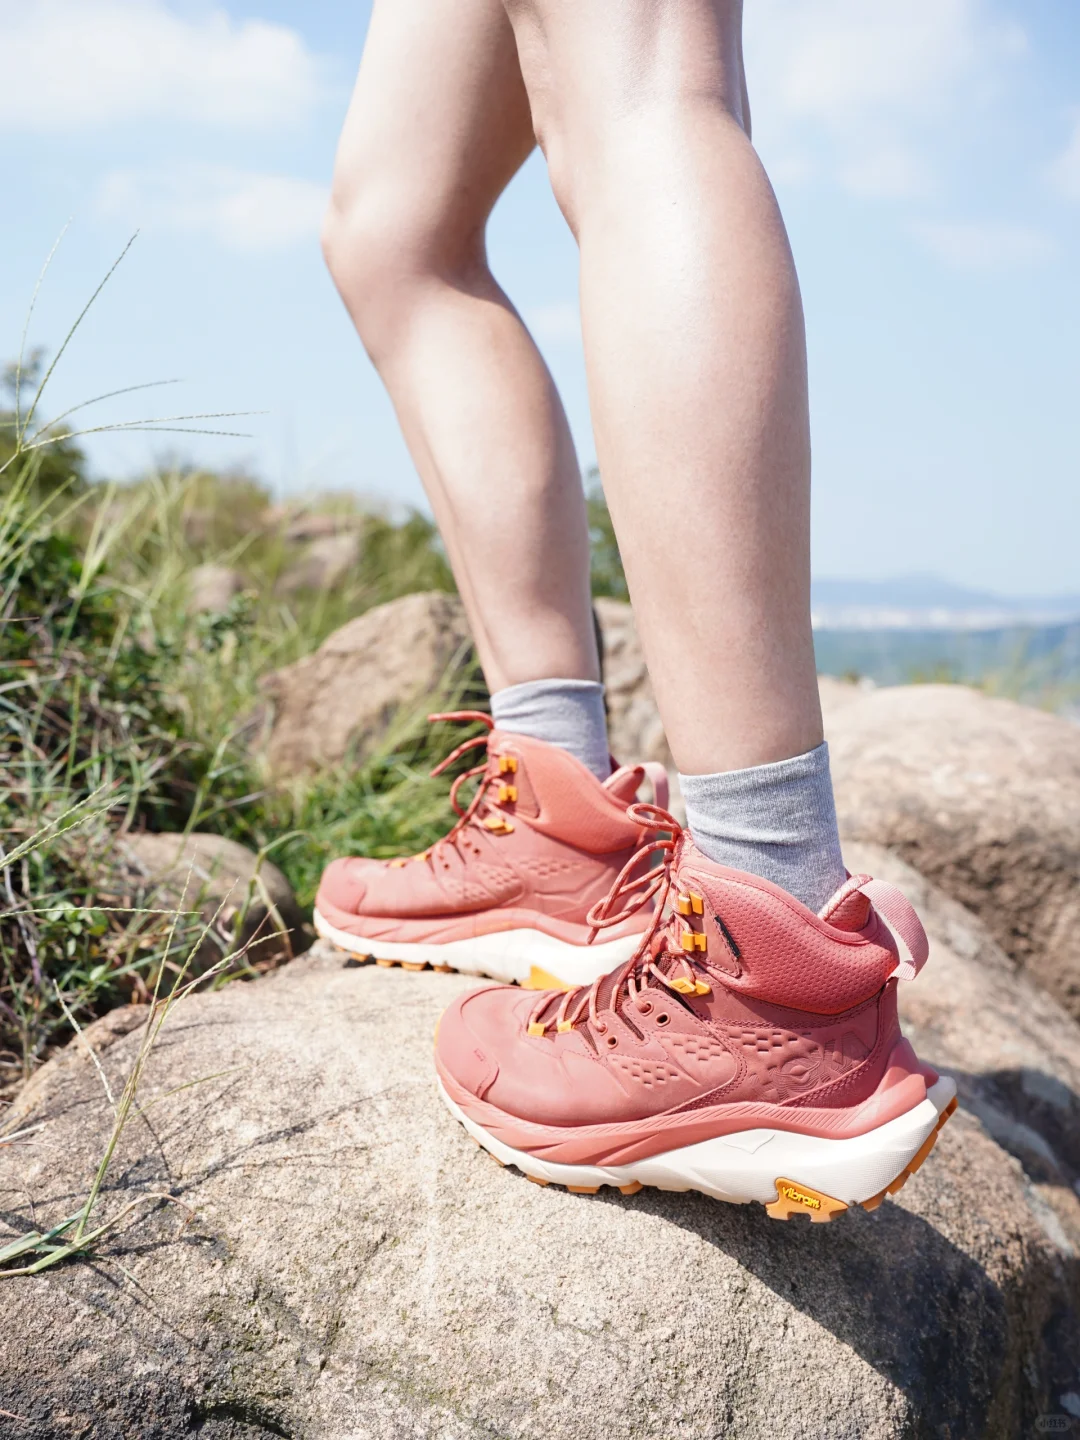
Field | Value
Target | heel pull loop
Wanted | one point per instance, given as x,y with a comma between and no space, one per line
896,909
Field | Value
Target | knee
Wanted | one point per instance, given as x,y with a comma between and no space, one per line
365,263
383,248
622,152
617,95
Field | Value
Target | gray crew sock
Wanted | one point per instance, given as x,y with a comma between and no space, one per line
568,713
777,821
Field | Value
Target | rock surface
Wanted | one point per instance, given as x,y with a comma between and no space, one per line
247,902
211,587
325,562
635,729
983,797
357,1268
342,698
339,702
1011,1047
301,525
836,695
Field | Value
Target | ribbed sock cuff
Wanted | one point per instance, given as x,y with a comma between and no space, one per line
777,821
568,713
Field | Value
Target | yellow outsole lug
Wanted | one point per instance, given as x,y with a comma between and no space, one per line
543,980
795,1199
914,1163
537,979
385,964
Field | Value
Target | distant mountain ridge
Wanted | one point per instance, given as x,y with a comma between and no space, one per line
926,602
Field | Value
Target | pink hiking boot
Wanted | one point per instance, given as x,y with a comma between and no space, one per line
750,1049
507,892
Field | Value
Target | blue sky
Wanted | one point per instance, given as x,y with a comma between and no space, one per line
926,154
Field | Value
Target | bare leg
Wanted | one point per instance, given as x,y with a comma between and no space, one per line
438,125
697,372
696,359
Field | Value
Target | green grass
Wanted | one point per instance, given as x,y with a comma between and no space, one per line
78,1234
120,710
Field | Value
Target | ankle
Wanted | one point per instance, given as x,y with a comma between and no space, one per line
567,713
777,821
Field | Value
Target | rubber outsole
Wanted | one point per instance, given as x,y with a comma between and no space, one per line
529,958
792,1197
915,1162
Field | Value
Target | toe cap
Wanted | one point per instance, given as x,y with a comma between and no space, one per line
344,884
483,1046
473,1032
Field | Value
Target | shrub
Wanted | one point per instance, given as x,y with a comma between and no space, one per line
120,710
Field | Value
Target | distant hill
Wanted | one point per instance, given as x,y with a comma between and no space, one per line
925,602
1029,657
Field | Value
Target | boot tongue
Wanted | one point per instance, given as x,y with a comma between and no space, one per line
663,952
849,908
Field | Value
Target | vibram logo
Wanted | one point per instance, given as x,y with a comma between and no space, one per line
793,1199
800,1197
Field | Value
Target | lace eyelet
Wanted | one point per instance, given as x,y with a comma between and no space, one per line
662,1019
645,1009
611,1041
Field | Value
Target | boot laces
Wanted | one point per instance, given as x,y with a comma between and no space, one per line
481,807
660,959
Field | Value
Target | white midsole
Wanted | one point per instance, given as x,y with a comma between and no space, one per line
745,1166
507,955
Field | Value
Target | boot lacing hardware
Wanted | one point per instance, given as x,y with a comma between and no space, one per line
481,809
675,939
668,938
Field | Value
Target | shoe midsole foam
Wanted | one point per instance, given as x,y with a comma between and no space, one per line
745,1166
508,955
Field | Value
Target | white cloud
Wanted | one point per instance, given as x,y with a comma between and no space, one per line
1064,172
69,64
892,172
557,324
985,246
868,88
242,210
